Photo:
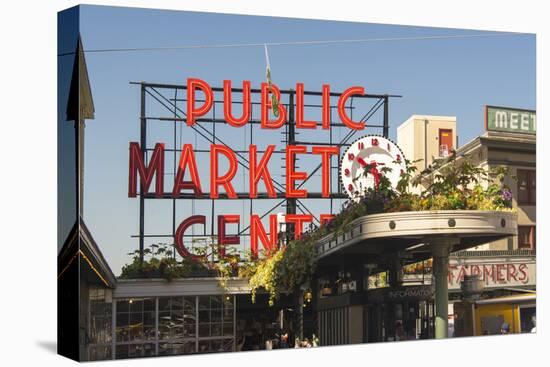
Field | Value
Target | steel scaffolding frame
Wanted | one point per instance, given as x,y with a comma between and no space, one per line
166,95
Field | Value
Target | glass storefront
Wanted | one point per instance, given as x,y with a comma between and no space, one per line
100,328
135,327
152,326
174,325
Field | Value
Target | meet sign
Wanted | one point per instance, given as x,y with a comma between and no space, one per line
510,120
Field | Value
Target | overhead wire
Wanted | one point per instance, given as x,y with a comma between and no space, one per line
299,43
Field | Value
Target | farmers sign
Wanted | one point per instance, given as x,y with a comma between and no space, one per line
495,273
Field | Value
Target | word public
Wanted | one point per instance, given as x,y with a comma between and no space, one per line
268,91
258,165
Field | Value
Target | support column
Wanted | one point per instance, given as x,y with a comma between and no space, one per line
299,314
440,252
395,272
358,274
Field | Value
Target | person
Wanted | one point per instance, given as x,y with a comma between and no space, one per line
504,328
284,341
240,343
534,321
314,341
399,333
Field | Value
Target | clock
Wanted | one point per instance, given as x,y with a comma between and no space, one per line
372,152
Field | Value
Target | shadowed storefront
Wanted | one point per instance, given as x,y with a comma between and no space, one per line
351,312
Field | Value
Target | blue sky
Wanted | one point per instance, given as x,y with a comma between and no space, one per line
455,76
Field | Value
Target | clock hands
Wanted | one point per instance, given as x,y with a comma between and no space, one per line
362,162
386,157
372,169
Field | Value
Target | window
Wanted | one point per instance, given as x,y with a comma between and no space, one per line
169,325
215,316
445,142
135,328
527,317
526,187
100,322
176,321
135,320
527,237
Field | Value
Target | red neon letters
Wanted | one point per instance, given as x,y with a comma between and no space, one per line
298,220
342,108
267,106
241,121
291,175
300,120
178,238
137,165
257,231
187,158
194,111
224,180
223,239
257,171
325,153
223,171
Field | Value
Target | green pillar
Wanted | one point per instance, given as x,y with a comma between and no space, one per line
440,253
299,314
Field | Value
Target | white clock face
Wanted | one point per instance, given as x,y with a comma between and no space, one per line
373,152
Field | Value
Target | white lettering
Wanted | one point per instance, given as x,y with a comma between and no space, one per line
514,120
501,119
524,121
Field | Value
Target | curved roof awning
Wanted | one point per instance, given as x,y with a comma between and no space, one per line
412,234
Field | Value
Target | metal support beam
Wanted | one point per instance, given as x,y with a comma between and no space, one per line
386,128
395,272
440,252
143,146
176,115
291,140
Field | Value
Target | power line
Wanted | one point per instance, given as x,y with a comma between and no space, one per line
298,43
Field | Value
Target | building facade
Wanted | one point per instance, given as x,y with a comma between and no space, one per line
420,138
423,138
506,266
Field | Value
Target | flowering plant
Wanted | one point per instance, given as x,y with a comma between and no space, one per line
450,184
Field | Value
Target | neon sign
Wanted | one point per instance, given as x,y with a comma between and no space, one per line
151,172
